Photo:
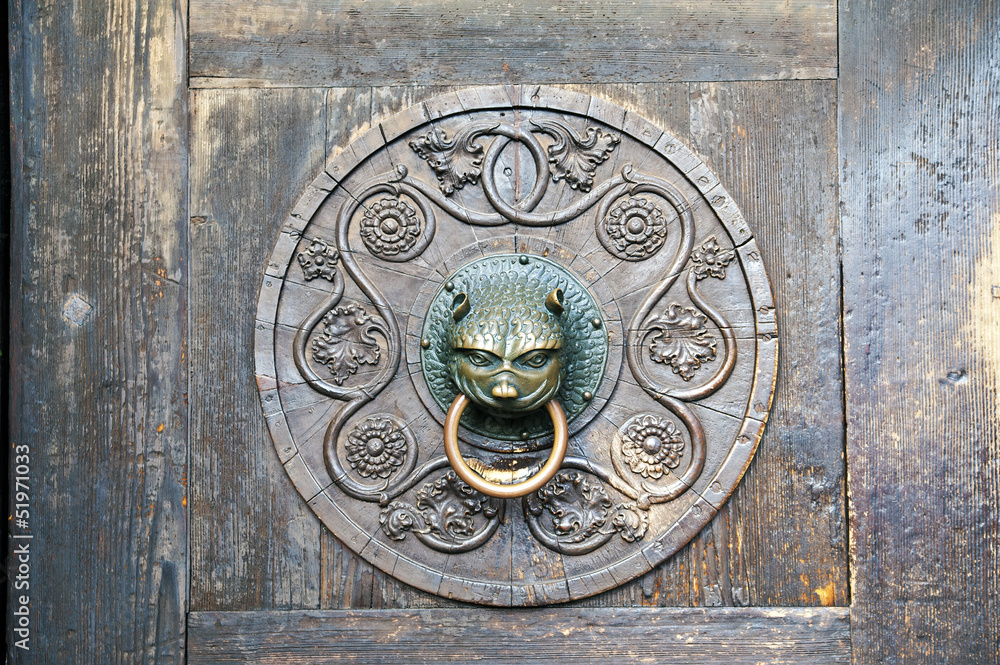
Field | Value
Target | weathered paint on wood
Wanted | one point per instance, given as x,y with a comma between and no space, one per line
920,148
740,636
255,544
780,540
99,326
239,43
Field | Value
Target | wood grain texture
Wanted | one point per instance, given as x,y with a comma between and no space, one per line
99,313
748,636
781,538
237,43
920,144
254,543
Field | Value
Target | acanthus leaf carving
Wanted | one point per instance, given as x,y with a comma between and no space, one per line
457,161
683,341
574,516
577,508
575,157
346,341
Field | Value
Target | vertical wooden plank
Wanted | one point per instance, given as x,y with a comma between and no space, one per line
774,145
348,581
781,539
99,318
920,144
255,544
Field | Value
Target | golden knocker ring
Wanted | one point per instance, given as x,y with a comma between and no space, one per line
501,491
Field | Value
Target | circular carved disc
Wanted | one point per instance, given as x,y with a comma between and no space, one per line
676,349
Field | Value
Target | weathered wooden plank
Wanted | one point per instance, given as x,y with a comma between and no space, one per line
347,580
920,147
237,43
781,538
255,544
99,317
819,636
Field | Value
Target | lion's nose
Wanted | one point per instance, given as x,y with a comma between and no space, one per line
503,389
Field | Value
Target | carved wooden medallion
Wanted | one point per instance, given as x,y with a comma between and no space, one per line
540,265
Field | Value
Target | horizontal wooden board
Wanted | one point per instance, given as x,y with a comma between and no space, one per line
239,43
819,636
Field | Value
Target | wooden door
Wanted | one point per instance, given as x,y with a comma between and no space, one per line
159,148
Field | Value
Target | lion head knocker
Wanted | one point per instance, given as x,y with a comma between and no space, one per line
507,338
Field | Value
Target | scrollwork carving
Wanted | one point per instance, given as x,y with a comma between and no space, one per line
448,516
574,515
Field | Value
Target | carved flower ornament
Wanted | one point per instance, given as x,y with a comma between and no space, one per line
651,445
710,259
319,260
376,447
390,227
636,228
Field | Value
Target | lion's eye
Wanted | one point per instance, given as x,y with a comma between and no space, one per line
478,359
537,359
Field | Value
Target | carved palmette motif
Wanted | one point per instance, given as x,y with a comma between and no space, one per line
661,303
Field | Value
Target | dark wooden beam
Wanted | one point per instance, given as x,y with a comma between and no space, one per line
239,43
744,636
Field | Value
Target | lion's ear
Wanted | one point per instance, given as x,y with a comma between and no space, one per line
460,306
554,302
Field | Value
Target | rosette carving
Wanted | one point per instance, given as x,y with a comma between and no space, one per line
651,445
390,227
634,229
376,447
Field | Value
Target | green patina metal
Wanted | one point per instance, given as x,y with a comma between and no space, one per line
512,331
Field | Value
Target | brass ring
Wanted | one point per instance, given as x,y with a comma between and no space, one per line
477,482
